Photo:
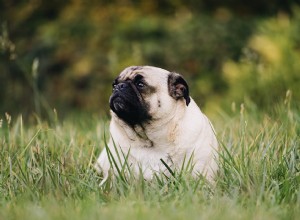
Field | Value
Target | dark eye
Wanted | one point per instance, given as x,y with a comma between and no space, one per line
114,86
140,84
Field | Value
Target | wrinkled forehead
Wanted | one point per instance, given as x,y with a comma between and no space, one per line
153,73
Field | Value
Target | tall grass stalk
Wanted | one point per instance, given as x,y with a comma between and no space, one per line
46,171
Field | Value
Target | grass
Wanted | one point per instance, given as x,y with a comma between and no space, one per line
46,172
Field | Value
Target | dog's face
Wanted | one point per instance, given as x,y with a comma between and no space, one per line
144,93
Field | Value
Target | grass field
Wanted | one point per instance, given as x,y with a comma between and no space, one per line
46,172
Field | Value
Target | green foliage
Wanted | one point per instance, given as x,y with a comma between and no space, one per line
46,171
227,51
269,66
82,47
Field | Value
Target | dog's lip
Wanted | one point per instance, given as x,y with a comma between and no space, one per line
117,103
118,106
116,97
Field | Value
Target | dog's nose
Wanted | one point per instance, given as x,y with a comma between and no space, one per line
121,86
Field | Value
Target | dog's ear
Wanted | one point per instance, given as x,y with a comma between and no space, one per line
178,88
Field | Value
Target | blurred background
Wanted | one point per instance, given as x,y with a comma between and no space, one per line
63,55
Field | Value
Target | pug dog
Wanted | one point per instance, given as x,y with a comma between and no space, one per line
156,126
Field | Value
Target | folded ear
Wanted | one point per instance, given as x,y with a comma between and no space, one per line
178,88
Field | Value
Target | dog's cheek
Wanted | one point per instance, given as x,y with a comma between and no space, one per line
151,104
161,106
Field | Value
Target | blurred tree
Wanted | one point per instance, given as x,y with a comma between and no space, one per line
270,65
81,46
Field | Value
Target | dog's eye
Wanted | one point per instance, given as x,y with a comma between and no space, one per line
140,84
114,86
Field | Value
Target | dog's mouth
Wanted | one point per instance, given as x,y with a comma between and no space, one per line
122,106
117,104
129,109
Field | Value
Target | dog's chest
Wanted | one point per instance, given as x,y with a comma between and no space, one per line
151,156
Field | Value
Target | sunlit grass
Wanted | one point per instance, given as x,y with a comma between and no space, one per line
46,172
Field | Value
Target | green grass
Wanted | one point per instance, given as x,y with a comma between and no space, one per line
46,172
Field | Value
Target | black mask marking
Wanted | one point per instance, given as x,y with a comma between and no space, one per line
127,103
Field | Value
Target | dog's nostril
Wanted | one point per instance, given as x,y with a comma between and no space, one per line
122,86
